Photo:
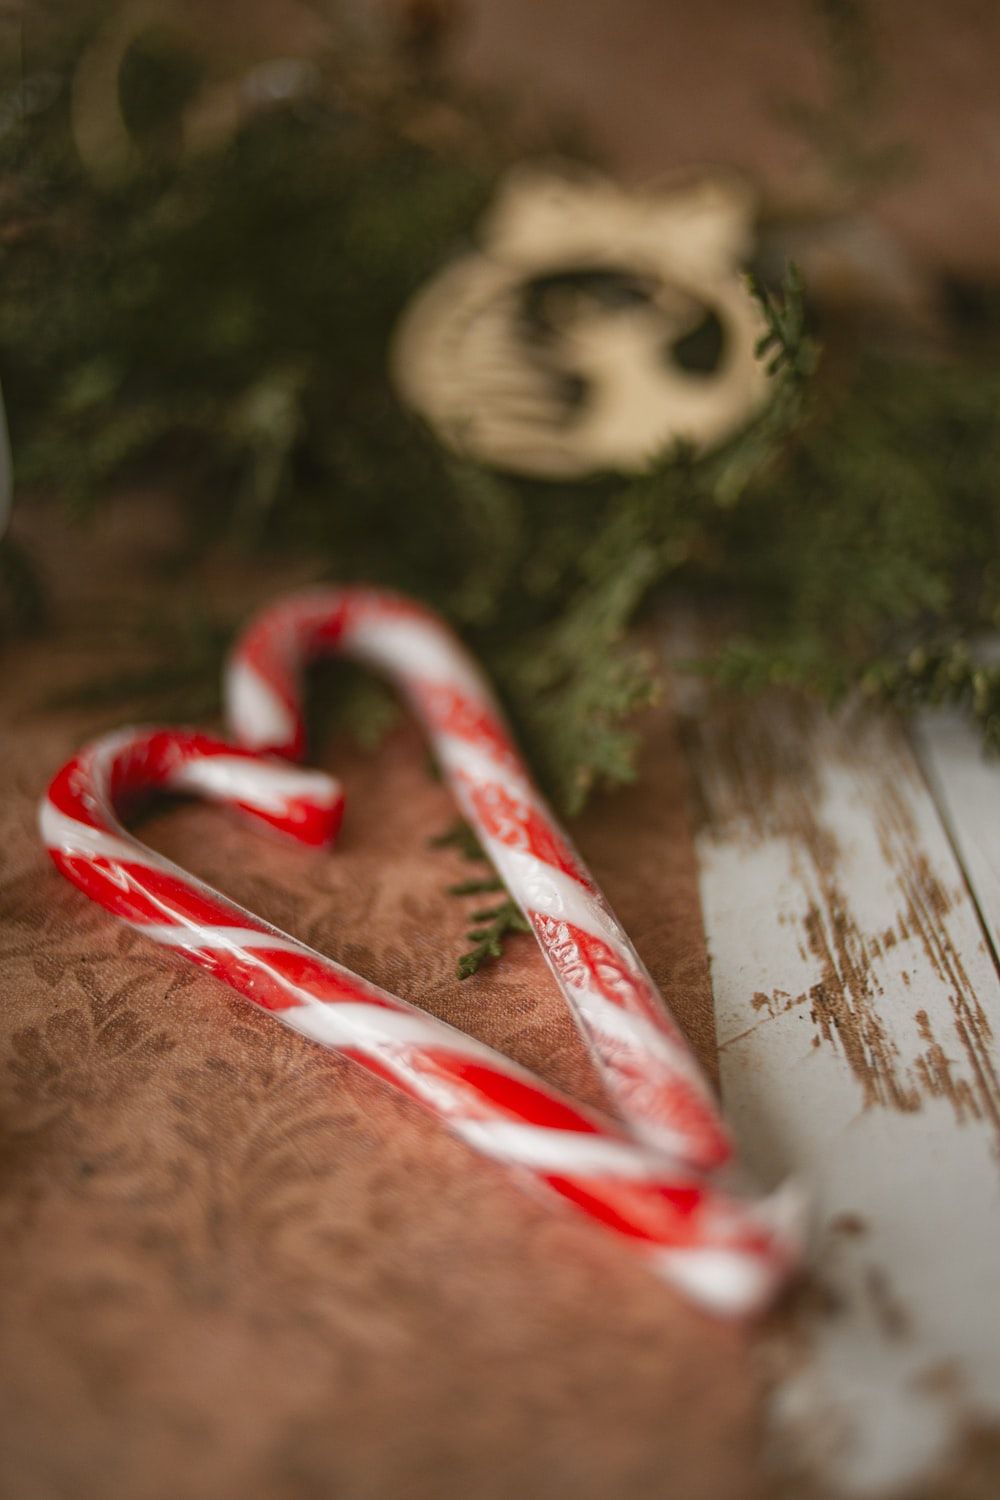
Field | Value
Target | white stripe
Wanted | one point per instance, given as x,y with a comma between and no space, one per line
624,1027
602,1015
540,887
726,1281
559,1151
339,1022
99,755
210,938
459,758
335,1023
347,1021
380,1031
638,1034
257,714
60,831
269,787
198,937
408,649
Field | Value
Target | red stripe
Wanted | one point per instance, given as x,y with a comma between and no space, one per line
309,823
319,977
386,1071
150,761
140,893
492,1094
658,1214
518,825
586,961
264,975
448,711
71,792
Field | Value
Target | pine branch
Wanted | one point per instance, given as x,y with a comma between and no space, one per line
461,837
476,887
853,522
791,353
501,921
945,675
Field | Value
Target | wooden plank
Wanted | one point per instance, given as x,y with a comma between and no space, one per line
857,1005
966,784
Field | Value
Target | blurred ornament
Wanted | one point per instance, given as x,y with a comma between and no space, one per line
594,328
209,68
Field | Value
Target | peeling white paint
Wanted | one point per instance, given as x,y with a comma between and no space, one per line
830,889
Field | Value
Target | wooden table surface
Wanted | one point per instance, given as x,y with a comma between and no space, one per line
850,882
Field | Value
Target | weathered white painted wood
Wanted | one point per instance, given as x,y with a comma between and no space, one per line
966,783
857,1004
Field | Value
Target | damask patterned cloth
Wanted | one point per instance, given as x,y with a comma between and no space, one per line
233,1265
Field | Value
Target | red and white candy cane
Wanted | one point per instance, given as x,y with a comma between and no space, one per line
728,1254
647,1065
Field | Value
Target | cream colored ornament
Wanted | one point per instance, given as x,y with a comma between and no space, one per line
593,329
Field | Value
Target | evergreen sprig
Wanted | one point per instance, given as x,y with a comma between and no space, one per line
459,836
492,925
488,940
227,318
946,675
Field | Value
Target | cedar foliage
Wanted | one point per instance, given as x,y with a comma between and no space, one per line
228,317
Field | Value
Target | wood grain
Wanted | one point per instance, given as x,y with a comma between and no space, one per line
857,1006
966,786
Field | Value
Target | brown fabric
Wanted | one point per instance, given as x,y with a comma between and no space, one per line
232,1265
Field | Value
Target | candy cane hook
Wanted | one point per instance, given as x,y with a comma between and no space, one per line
727,1254
646,1064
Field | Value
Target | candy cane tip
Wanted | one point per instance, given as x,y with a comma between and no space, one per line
740,1281
786,1209
728,1283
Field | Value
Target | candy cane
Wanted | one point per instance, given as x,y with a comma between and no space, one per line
647,1066
728,1254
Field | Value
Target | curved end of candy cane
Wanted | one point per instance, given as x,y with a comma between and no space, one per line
98,784
261,717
